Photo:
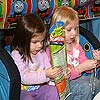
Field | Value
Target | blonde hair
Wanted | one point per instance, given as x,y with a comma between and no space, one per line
65,14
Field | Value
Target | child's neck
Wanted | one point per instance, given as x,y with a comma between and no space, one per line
70,46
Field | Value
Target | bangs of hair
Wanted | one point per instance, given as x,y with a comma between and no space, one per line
64,14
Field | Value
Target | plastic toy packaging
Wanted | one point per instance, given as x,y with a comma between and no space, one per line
59,58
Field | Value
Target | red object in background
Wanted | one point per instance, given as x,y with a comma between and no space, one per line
9,2
29,4
96,8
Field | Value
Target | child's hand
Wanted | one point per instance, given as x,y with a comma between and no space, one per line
87,65
96,55
52,73
68,74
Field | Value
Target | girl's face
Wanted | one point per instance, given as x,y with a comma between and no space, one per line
36,44
71,31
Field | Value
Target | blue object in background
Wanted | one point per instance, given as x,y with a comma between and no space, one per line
90,39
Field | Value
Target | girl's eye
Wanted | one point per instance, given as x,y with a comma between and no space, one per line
68,30
75,28
35,42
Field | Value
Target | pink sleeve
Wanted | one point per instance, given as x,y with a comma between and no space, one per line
27,76
82,58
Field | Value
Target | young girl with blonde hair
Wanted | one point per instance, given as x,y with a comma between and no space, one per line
80,86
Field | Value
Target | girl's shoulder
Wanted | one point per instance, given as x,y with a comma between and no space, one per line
15,54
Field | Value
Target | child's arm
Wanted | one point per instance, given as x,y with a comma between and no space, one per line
84,65
28,77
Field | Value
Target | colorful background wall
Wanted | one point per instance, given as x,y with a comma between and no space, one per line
88,10
12,9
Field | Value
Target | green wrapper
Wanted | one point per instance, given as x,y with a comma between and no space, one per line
59,59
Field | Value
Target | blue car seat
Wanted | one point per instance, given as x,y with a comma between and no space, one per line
10,81
89,42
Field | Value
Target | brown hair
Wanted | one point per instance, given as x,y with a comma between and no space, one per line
27,27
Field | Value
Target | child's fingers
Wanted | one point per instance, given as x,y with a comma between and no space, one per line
68,74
